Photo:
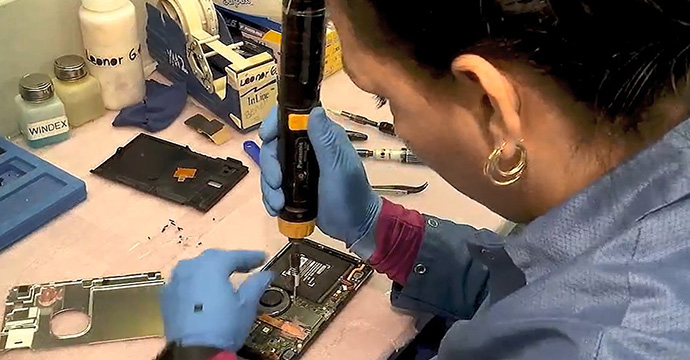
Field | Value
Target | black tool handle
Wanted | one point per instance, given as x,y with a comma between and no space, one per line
300,175
301,69
387,128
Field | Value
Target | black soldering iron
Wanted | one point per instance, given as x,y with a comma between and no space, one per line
301,69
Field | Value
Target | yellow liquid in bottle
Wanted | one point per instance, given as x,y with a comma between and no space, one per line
82,99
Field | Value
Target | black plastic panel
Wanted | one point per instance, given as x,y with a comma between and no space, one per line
148,164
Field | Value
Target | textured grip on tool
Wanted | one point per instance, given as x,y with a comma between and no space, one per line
294,230
387,128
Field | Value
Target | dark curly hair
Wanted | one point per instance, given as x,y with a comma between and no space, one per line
619,56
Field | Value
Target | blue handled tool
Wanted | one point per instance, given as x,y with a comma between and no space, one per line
253,150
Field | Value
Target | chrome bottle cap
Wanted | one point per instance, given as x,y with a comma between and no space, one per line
70,68
36,87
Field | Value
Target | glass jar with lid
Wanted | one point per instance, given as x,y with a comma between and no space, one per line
79,91
42,118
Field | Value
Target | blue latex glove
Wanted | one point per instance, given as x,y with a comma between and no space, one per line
348,208
200,305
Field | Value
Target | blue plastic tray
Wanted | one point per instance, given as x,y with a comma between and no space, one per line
32,192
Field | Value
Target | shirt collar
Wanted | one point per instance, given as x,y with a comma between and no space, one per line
651,180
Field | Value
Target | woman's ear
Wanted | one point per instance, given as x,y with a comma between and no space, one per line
504,124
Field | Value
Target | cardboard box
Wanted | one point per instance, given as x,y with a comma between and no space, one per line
266,32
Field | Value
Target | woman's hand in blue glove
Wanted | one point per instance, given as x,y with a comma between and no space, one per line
348,208
201,306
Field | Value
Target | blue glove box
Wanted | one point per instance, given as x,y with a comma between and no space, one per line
32,192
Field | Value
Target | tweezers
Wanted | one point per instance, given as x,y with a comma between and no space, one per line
399,189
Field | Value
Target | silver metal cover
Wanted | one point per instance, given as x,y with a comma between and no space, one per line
119,307
70,68
36,87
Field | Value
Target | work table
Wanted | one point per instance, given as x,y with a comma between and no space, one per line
119,230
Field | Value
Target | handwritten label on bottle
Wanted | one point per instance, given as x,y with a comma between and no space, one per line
113,61
47,128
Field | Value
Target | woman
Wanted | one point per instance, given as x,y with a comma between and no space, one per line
567,115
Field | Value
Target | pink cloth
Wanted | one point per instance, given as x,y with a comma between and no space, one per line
399,234
225,356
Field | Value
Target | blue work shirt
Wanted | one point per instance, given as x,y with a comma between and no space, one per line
605,275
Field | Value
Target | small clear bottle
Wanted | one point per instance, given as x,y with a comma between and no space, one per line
79,91
42,117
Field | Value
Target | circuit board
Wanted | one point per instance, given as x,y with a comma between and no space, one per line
285,328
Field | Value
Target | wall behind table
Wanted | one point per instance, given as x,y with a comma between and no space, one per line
32,34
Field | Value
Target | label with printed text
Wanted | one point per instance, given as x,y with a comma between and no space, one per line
47,128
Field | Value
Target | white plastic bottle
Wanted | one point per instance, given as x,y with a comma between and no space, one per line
113,50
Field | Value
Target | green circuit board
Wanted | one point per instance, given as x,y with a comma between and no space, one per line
287,335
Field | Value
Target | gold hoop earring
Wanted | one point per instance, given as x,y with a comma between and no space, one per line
505,177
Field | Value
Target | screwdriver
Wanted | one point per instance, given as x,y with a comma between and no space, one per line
402,155
301,72
295,259
384,127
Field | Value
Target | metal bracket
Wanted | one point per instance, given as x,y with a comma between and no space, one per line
119,307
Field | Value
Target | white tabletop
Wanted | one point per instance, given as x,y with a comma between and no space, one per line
109,233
